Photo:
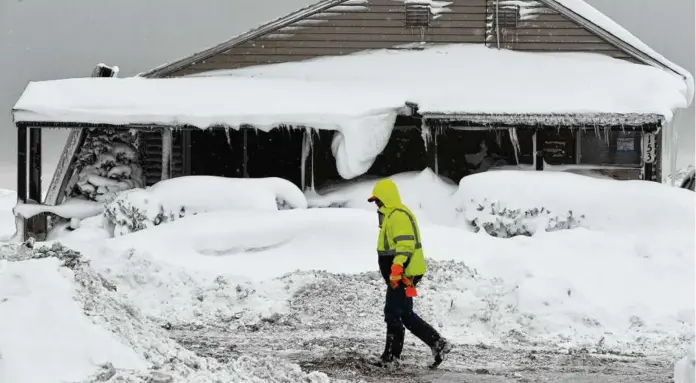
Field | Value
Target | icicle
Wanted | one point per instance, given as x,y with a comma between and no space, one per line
607,132
426,134
229,138
311,160
307,150
515,143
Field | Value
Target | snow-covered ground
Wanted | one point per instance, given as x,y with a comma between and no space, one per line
278,281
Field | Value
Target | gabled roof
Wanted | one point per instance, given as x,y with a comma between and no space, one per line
576,10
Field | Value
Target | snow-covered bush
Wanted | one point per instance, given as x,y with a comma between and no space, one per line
169,200
499,221
136,210
108,163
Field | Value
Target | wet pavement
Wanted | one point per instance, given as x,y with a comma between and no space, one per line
348,357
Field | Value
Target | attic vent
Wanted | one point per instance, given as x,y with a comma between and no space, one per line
508,16
417,14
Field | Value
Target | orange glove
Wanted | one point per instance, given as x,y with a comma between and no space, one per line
396,275
411,291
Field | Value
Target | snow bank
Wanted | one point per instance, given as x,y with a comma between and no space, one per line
684,369
77,326
46,336
547,76
426,193
624,282
579,288
602,202
172,199
199,194
79,208
606,204
8,199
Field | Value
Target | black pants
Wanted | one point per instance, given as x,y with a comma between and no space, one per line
398,313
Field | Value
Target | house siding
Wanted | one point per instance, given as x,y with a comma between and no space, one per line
346,29
377,24
542,29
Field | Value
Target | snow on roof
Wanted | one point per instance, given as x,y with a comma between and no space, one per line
360,95
471,78
585,10
365,118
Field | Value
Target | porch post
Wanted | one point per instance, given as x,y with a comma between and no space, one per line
538,152
186,151
166,153
245,169
35,165
307,181
20,222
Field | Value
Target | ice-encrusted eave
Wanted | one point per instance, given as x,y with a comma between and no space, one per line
552,119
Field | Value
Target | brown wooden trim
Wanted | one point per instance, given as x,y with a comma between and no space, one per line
398,36
386,30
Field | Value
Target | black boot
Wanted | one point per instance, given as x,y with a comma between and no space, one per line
398,344
387,357
440,350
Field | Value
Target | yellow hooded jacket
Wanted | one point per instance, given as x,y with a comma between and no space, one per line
399,240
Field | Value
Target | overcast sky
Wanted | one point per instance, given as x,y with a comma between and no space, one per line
50,39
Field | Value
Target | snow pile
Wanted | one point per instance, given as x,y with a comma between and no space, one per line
8,199
172,199
499,221
606,204
621,282
508,203
78,208
685,368
77,326
426,193
39,309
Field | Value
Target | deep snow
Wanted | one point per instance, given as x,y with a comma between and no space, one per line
622,282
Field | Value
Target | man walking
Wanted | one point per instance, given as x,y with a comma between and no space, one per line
402,264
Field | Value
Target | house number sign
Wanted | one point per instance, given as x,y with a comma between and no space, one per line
649,148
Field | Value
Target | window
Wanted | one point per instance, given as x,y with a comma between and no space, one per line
610,147
507,17
417,14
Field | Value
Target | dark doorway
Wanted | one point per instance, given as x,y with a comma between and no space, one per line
220,152
217,152
277,153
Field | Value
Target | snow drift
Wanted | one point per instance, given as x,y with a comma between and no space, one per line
621,282
42,324
172,199
74,324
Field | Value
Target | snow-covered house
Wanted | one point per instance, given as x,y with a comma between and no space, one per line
346,88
